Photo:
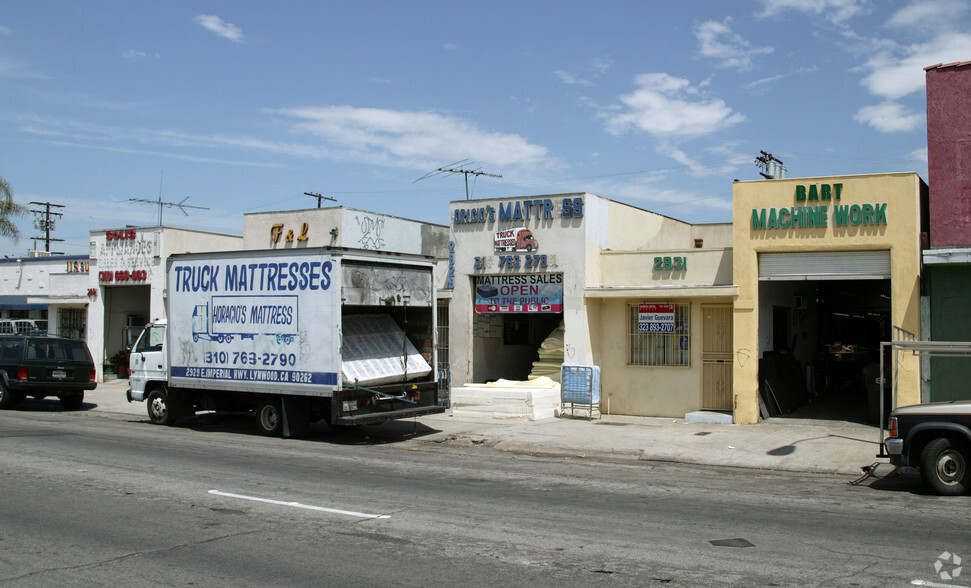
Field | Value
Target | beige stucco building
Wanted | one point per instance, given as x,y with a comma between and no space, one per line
826,269
644,296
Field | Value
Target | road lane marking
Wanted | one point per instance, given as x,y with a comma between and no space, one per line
350,513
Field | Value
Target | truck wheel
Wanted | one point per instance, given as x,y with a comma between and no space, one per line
269,420
72,401
6,398
158,408
944,467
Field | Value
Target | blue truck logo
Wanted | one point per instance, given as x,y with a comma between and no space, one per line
224,318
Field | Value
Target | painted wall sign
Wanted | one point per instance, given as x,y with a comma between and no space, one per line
539,209
805,215
450,280
529,293
675,263
122,276
78,267
655,318
517,239
277,230
128,234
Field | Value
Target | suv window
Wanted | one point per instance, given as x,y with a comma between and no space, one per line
57,349
10,351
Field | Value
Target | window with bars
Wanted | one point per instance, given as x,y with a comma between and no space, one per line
661,349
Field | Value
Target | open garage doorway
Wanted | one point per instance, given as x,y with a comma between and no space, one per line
820,344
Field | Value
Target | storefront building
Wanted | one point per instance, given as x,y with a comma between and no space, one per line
826,269
948,258
576,278
126,283
45,293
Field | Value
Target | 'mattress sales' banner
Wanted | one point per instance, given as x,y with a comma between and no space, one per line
655,318
529,293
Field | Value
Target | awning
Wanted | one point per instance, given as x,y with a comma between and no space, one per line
19,303
688,291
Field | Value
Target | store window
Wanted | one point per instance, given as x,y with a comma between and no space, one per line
672,349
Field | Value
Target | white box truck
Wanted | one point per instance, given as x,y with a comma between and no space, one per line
294,336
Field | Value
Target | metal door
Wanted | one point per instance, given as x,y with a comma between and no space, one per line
716,357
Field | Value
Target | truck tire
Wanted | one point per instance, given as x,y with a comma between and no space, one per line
269,419
159,411
944,467
6,398
72,401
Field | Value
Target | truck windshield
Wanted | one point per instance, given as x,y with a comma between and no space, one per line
151,339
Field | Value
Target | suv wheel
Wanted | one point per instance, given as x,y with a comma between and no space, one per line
72,401
6,398
944,467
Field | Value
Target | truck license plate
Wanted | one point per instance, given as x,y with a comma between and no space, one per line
59,374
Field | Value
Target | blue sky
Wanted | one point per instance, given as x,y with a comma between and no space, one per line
243,106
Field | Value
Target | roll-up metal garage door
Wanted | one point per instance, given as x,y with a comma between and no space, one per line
825,265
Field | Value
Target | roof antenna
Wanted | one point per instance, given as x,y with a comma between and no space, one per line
180,205
451,170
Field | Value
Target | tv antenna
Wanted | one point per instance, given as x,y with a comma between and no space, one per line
451,169
181,205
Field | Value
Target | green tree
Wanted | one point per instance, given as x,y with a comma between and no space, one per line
8,210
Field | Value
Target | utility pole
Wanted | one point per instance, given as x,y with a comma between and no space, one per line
450,169
320,197
180,205
45,223
772,168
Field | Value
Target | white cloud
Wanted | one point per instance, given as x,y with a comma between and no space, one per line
727,48
133,54
5,30
835,11
411,139
450,46
933,14
890,117
214,24
894,77
661,106
12,68
919,155
572,79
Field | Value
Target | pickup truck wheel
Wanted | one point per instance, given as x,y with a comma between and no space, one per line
158,408
944,467
269,421
72,401
6,398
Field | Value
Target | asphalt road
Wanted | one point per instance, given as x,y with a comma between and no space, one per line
88,499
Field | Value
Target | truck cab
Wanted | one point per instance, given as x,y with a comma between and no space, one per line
147,361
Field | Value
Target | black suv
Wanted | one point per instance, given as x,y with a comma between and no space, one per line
42,366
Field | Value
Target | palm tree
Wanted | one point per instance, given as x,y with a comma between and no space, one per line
8,210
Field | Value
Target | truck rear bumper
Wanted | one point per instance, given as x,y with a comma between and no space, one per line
390,415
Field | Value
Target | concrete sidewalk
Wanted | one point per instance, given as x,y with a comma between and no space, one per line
788,444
